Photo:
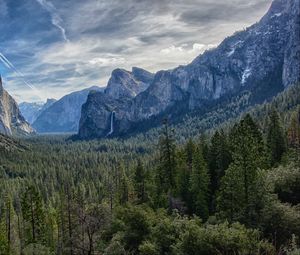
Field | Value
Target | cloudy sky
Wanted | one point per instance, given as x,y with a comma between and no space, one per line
49,48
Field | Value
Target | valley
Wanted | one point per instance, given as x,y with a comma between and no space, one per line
203,158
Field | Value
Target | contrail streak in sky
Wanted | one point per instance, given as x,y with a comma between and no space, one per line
9,65
56,20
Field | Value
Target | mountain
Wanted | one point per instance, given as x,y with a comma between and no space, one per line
31,111
64,114
125,84
11,120
262,60
122,87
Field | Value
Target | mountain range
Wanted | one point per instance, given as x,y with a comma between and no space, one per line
31,111
263,60
62,116
260,62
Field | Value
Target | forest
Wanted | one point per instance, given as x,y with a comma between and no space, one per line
232,190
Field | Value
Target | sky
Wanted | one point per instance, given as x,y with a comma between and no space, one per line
49,48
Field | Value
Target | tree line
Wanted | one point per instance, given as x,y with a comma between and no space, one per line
236,192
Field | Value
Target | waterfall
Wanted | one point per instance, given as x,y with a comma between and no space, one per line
111,123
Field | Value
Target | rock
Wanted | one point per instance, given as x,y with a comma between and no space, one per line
11,120
263,59
63,115
125,84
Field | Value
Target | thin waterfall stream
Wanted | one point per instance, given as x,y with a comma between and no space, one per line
111,123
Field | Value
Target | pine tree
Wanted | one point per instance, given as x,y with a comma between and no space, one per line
241,190
185,161
123,188
140,183
34,216
219,158
199,185
9,220
166,172
294,133
275,138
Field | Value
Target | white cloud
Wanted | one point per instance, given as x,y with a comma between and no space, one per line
155,35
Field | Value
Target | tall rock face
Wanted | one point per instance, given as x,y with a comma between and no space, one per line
263,59
291,68
125,84
31,111
102,110
11,120
63,115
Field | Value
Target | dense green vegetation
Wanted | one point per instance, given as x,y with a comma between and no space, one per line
230,191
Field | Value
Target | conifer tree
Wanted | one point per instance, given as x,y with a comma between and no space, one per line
275,138
34,216
123,188
185,159
140,182
241,186
166,172
199,185
294,133
219,158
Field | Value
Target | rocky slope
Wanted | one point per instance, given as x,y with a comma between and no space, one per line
11,120
10,144
64,114
125,84
31,111
263,59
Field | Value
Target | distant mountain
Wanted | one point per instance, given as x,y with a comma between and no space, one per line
11,120
63,115
125,84
122,87
262,60
31,111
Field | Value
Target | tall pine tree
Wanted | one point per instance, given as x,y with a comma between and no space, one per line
241,191
294,133
199,185
275,138
166,171
33,216
219,158
140,183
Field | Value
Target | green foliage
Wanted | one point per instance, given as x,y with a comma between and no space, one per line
280,222
241,196
140,183
222,239
134,197
34,249
166,169
275,138
179,235
34,216
199,183
285,181
219,158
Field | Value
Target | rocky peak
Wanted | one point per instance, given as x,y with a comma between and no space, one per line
125,84
142,75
